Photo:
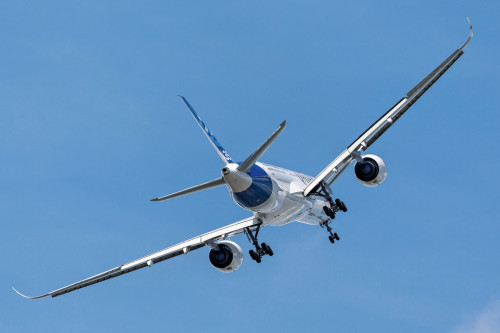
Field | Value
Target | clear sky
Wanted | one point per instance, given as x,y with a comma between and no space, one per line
91,129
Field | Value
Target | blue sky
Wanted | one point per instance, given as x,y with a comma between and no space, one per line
92,129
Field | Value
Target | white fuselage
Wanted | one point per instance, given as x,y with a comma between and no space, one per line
274,194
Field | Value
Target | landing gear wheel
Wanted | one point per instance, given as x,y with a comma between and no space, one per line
253,255
341,205
264,247
258,259
328,212
336,236
332,240
267,249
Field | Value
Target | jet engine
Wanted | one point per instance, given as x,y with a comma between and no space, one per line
227,258
372,172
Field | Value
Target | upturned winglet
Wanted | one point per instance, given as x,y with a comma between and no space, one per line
28,297
471,33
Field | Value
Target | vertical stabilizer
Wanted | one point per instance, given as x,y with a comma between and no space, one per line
218,147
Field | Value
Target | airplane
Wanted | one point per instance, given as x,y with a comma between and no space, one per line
274,195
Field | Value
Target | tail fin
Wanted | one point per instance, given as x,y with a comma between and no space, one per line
218,147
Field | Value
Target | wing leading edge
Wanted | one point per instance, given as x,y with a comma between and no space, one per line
365,140
165,254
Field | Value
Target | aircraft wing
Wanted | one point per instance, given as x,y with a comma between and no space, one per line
365,140
168,253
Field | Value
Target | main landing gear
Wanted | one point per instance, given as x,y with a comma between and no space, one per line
261,250
335,206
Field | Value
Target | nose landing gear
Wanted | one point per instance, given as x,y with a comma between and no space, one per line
333,237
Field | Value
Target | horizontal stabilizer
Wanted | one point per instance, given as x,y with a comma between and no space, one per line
250,161
204,186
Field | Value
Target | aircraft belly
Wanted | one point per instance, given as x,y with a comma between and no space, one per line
296,208
315,215
290,205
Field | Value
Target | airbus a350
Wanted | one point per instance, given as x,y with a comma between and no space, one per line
276,196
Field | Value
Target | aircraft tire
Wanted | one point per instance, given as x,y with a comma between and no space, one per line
253,255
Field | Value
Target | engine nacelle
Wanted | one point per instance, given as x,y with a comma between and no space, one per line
371,173
227,258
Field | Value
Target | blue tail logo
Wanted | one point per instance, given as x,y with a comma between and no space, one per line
218,147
